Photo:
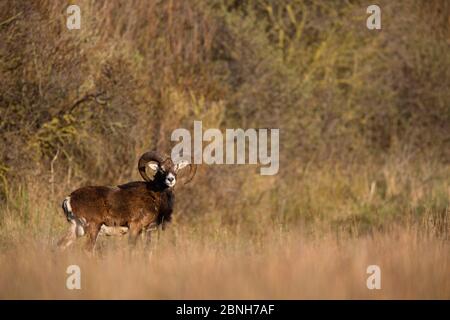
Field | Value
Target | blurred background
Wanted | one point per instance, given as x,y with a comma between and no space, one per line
364,115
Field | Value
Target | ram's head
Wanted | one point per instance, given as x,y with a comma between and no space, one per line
165,170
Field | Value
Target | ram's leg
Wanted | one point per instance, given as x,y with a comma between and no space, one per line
69,237
134,230
148,233
148,238
92,230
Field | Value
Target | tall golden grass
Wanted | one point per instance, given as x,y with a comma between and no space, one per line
183,264
248,253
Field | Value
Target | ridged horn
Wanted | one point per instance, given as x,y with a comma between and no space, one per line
146,158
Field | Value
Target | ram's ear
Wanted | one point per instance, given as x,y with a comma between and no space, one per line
153,165
180,165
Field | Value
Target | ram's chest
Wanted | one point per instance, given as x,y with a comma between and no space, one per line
166,206
167,201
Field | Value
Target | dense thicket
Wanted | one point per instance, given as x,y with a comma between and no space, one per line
99,96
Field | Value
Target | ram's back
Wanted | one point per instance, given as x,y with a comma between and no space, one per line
90,203
115,206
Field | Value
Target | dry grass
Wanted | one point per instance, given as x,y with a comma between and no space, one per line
308,238
311,238
282,265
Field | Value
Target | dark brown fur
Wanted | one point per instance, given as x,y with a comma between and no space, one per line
135,205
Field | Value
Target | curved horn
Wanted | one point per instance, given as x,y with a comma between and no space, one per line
146,158
192,168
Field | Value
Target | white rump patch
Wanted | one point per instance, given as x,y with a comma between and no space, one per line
78,226
69,207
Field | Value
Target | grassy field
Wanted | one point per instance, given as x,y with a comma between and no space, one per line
277,265
248,254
